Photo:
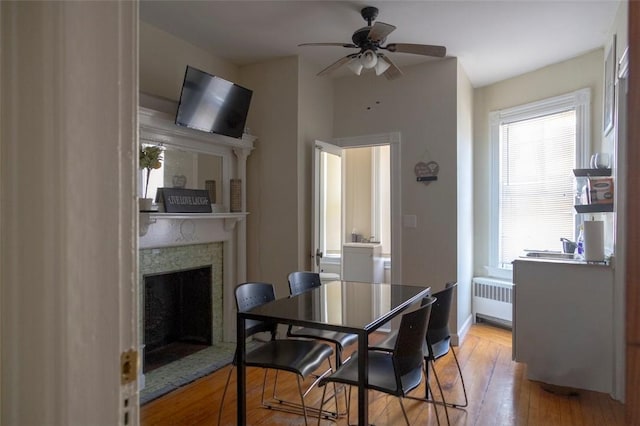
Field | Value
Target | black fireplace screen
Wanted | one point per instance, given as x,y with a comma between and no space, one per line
177,315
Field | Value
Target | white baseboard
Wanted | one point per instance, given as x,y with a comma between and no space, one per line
458,338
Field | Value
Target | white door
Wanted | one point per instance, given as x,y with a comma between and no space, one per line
68,279
327,206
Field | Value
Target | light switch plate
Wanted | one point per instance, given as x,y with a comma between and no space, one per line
410,221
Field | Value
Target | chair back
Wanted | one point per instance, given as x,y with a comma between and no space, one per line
301,281
248,296
408,352
439,322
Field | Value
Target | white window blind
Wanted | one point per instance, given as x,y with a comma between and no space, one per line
536,183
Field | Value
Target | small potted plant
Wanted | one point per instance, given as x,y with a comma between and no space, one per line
150,158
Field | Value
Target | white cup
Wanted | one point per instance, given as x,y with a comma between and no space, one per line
600,160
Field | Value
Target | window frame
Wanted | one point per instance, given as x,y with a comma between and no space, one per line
580,100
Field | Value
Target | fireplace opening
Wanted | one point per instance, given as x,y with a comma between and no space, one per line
177,315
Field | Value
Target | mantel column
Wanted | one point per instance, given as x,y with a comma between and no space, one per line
241,155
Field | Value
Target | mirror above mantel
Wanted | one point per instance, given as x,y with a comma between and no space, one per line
194,159
182,168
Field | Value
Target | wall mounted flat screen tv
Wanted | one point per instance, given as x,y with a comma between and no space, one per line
212,104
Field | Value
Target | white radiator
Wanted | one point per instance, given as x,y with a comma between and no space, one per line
492,300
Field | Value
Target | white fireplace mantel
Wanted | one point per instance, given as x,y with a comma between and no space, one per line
178,229
175,229
229,219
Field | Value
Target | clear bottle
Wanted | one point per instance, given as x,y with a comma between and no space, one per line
579,253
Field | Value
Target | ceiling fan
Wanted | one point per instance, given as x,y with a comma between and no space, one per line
369,40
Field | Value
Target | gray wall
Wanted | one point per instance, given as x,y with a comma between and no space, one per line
272,172
316,123
422,107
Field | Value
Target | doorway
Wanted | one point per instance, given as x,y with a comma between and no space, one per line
356,201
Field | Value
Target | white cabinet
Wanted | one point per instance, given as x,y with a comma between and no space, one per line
362,262
563,323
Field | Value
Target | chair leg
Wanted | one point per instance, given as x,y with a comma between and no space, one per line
444,402
335,386
324,399
346,400
264,387
339,363
304,407
349,407
294,407
264,383
435,408
335,399
324,391
404,412
275,383
427,391
327,414
224,393
464,388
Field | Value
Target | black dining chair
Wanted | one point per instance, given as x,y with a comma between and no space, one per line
438,339
397,372
302,357
302,281
439,336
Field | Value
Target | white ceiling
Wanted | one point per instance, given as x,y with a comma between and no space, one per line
493,40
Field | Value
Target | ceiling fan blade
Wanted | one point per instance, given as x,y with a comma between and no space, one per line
337,64
393,71
329,44
379,31
417,49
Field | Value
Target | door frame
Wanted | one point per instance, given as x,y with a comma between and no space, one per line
393,140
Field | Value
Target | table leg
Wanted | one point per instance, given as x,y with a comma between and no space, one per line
363,378
241,371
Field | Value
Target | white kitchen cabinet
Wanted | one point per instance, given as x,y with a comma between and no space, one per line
362,262
563,323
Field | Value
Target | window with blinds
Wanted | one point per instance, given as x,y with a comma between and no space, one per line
535,148
536,183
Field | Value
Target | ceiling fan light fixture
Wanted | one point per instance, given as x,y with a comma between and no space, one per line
381,66
369,59
355,66
370,40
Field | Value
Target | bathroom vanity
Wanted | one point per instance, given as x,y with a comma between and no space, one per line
362,262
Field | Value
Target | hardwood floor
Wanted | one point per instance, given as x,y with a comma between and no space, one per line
499,394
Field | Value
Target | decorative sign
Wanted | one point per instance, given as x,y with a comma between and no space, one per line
179,200
426,172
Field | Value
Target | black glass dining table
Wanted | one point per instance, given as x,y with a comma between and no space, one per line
344,306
